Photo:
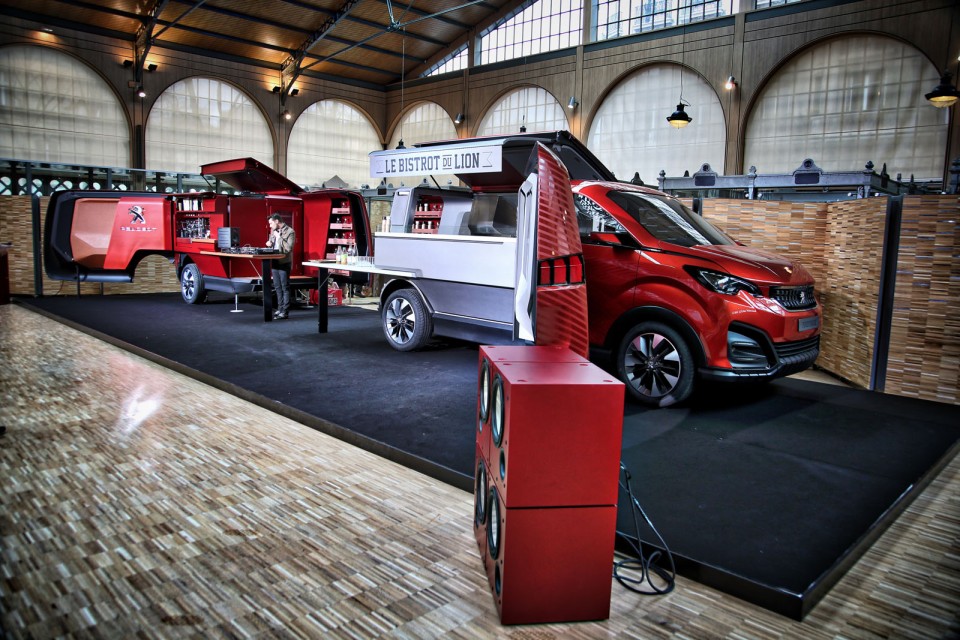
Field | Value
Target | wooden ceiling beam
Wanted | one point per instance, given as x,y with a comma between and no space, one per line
290,70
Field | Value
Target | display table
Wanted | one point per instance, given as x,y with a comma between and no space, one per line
266,274
324,267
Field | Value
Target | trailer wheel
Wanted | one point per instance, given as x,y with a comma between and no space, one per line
191,285
656,365
406,323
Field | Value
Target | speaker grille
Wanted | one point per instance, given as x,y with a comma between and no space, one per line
497,421
494,530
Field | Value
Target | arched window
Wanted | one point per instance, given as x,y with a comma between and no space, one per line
201,120
331,139
630,133
56,109
847,101
426,122
531,107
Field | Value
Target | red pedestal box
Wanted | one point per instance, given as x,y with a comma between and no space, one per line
509,353
550,565
555,434
544,354
481,491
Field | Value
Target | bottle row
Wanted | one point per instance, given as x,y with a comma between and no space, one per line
189,204
346,255
434,207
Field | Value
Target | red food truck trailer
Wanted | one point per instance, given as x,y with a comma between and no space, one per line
214,239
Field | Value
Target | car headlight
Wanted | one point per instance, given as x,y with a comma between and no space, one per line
723,282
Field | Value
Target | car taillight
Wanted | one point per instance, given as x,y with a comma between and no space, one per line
564,270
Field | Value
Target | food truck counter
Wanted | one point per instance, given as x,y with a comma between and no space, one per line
473,259
324,267
366,267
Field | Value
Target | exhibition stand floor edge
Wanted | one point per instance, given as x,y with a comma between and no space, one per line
767,492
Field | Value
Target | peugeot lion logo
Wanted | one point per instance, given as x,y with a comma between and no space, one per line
137,212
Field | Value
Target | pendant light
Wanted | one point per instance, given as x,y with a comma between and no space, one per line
679,118
944,94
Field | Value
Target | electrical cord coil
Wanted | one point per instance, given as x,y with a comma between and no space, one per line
646,566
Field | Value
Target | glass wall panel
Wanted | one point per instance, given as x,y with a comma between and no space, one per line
202,120
847,101
54,108
331,139
454,62
630,133
545,25
427,122
616,18
532,107
766,4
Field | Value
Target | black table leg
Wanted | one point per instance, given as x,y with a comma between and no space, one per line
267,291
322,292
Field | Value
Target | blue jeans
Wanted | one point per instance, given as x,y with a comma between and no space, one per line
281,284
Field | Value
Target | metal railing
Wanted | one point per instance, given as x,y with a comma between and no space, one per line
808,182
28,177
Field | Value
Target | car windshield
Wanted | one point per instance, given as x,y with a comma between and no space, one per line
667,220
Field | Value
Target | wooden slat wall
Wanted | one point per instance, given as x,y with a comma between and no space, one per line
154,274
850,287
795,230
924,358
16,227
826,238
841,243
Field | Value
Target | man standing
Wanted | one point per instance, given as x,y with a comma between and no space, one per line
281,240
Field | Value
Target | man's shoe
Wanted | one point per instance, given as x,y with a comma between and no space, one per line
281,316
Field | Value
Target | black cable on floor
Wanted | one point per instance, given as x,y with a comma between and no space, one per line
642,564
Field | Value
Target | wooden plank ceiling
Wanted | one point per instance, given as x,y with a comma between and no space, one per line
370,42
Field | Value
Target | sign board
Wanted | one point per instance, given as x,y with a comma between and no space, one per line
455,159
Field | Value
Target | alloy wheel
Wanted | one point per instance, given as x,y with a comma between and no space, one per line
189,284
652,365
401,320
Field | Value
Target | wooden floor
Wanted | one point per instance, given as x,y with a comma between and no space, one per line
136,502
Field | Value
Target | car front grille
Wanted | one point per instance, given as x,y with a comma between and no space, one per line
794,298
788,350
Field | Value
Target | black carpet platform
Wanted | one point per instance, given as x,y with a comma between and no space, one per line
769,493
